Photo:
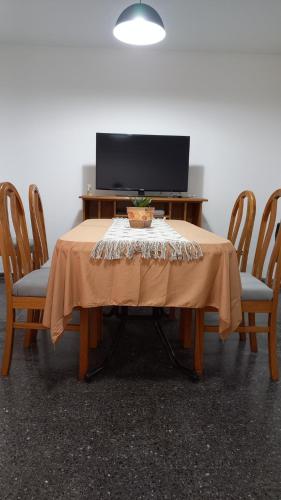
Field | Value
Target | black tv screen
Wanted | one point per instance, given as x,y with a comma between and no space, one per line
142,162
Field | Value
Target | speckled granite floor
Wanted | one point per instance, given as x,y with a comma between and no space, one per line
141,430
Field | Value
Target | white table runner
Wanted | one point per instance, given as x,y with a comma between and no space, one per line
160,241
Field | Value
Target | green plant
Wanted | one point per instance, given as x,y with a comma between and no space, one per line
141,202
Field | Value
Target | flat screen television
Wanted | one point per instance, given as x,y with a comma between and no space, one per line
142,162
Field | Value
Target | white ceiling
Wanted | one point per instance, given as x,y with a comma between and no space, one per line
214,25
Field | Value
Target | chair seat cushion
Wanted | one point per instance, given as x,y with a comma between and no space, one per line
33,284
254,289
212,318
47,264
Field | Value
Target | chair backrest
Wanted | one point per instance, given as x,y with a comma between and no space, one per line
245,201
267,230
41,254
273,277
14,242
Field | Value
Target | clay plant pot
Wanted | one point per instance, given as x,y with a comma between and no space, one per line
140,217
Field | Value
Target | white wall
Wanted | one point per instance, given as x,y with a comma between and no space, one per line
54,100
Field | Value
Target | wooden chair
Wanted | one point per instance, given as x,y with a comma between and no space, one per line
40,250
239,233
240,236
41,259
25,288
258,295
41,254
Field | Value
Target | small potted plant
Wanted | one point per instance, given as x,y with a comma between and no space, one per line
140,215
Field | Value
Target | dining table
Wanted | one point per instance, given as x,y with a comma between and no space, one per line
77,280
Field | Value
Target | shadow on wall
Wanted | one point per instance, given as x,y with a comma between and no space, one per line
88,177
195,179
78,218
205,223
196,187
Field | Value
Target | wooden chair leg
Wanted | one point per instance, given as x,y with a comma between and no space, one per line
199,341
99,324
253,336
272,348
8,344
84,343
30,336
186,328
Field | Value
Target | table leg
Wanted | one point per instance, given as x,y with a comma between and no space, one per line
172,313
84,343
242,336
95,326
186,328
199,341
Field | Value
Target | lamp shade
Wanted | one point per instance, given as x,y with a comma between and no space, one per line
139,24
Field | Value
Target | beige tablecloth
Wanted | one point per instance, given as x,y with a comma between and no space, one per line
77,281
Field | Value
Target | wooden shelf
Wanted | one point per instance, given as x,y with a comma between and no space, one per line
107,207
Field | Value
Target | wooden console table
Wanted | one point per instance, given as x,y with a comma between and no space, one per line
107,207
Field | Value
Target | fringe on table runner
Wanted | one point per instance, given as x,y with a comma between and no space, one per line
159,250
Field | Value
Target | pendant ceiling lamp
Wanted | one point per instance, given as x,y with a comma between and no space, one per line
139,24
